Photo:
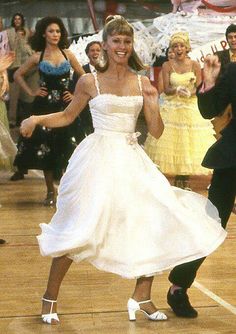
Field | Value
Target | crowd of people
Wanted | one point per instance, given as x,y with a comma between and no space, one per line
82,131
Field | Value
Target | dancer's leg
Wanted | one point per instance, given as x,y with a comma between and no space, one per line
59,268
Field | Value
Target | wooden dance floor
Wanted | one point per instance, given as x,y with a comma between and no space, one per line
91,301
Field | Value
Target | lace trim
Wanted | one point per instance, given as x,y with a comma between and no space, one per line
121,100
96,82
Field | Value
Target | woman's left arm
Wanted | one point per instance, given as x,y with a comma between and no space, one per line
74,63
151,109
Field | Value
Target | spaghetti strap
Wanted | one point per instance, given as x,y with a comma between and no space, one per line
140,84
41,56
96,82
64,54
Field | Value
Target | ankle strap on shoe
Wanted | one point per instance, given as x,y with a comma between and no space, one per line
49,300
144,301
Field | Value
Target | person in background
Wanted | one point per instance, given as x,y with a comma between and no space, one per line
18,36
48,149
226,57
93,52
160,85
179,152
7,146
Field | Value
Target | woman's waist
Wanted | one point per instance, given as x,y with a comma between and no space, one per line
112,132
129,137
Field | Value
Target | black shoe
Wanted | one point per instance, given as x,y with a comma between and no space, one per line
2,241
17,176
179,302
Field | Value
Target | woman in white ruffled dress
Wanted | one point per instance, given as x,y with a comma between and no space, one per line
114,208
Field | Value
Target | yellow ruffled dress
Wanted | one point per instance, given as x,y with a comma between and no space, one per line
7,146
187,136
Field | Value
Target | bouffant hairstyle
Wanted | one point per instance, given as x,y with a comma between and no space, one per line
180,37
37,40
22,19
116,24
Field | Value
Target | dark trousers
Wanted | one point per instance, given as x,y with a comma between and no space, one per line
222,194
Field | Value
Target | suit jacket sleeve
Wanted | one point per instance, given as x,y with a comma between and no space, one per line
213,102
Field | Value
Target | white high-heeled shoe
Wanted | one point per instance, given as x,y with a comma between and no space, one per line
134,306
47,318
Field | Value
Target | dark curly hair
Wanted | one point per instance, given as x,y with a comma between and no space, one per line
231,28
22,19
38,42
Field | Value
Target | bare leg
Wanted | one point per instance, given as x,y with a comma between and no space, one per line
48,175
142,292
59,268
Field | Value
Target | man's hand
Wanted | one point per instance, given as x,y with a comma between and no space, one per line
211,71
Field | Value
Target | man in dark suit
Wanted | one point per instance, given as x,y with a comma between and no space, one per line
93,51
213,98
225,57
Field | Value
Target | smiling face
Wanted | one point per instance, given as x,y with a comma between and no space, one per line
94,53
180,50
231,39
52,34
119,48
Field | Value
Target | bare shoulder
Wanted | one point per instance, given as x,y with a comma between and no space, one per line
167,65
35,57
85,82
69,53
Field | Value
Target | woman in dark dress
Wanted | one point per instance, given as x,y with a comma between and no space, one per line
49,149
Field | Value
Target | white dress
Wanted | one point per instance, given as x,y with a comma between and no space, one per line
116,210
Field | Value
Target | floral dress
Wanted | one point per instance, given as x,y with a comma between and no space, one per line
49,149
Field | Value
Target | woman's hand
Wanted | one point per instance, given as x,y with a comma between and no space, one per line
42,91
150,93
67,97
183,91
27,126
6,61
211,70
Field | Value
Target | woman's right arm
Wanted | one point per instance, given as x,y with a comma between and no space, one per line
151,109
62,118
31,63
168,89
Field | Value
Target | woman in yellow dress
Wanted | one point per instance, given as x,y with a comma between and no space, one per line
187,135
7,146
